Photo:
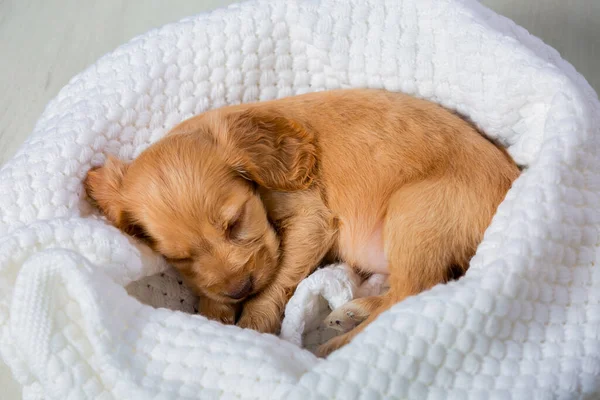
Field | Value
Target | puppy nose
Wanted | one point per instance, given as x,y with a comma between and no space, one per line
241,289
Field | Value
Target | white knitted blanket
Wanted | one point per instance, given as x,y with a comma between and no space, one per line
524,322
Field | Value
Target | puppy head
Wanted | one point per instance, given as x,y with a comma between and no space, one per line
193,196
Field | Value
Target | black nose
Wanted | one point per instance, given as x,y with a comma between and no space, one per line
242,289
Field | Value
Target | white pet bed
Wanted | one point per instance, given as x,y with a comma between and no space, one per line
523,323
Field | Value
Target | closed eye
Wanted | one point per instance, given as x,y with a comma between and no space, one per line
137,230
234,227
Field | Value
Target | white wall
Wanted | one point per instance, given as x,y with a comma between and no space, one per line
570,26
44,43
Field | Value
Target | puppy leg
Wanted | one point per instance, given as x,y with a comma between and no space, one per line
217,311
306,238
429,226
351,314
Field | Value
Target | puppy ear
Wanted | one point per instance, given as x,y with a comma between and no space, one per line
270,149
103,187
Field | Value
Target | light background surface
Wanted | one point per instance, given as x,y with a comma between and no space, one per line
45,43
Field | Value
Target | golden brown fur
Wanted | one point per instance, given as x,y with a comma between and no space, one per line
247,200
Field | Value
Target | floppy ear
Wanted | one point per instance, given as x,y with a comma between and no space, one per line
270,149
103,186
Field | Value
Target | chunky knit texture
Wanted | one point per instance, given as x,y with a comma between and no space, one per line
523,323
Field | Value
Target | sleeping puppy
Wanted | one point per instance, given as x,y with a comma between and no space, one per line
246,201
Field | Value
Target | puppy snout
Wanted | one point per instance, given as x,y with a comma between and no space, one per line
241,289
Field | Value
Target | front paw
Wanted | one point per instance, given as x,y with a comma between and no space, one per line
221,312
260,316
